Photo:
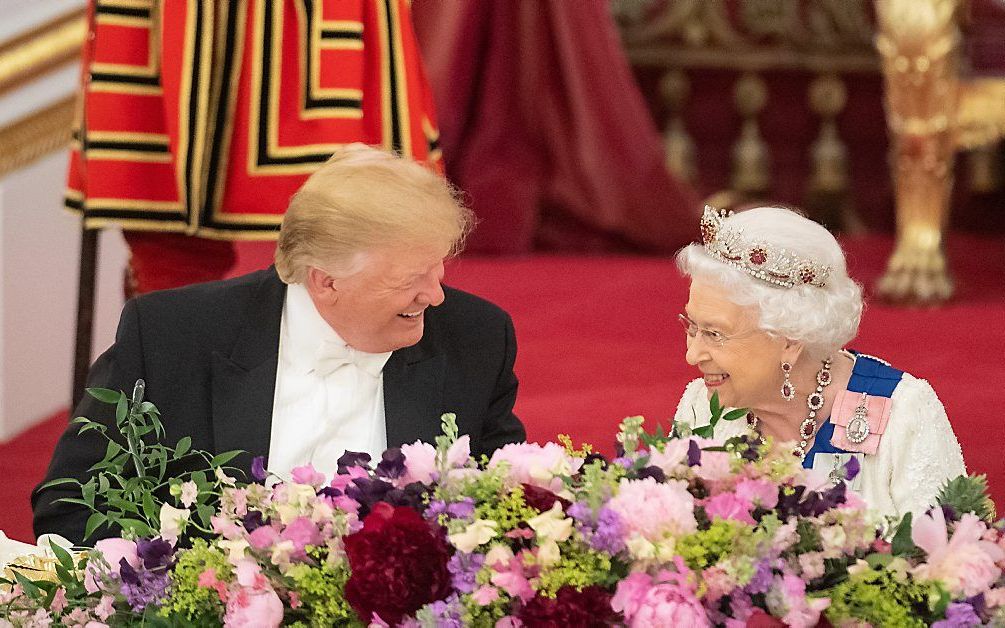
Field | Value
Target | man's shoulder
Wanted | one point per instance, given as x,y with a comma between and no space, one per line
460,303
224,294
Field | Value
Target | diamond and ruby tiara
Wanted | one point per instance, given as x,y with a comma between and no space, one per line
764,261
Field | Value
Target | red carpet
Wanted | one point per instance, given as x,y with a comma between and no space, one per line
598,342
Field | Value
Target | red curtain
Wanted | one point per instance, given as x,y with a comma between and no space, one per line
543,127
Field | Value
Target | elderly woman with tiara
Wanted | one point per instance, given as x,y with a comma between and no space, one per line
770,310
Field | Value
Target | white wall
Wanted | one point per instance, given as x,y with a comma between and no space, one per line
39,255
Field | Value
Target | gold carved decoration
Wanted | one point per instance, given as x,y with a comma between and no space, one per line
919,42
41,49
678,146
750,154
36,135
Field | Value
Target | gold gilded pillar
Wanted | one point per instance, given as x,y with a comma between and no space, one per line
919,43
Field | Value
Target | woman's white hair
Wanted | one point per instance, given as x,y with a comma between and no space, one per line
824,319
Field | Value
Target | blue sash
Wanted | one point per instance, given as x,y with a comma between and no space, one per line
871,376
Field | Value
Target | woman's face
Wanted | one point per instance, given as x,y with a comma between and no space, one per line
737,360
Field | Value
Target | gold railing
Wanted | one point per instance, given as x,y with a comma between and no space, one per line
23,59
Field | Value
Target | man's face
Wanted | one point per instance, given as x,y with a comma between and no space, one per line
382,306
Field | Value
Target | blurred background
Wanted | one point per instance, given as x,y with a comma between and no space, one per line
147,144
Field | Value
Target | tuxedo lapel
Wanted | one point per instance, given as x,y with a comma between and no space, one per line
244,382
413,393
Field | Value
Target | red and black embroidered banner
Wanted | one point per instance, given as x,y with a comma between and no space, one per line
205,117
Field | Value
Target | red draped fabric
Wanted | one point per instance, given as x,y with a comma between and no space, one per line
543,127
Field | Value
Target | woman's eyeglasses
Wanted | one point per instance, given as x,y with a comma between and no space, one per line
712,337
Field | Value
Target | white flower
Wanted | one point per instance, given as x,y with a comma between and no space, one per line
173,521
479,532
189,492
548,553
235,549
552,524
640,547
498,554
224,479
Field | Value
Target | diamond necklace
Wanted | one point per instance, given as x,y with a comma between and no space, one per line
814,402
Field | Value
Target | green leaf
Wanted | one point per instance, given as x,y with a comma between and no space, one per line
62,555
105,395
149,508
92,426
136,526
713,405
87,491
878,561
733,415
183,446
222,459
112,450
121,410
103,484
29,586
58,482
903,544
704,431
73,500
93,522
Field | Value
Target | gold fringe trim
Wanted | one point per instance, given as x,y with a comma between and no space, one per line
37,135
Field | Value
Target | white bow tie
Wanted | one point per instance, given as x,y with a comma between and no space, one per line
332,355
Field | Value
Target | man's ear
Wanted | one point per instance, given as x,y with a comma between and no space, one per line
321,286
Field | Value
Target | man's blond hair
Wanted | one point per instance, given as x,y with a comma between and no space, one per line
363,199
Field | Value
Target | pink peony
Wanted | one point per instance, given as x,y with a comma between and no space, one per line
729,506
114,551
248,608
654,510
714,464
964,563
530,463
666,600
420,460
263,537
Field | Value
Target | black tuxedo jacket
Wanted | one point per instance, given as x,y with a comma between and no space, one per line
209,355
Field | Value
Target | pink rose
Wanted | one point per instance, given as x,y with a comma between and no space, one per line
668,599
254,609
113,551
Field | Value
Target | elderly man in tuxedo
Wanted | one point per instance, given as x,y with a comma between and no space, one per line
350,342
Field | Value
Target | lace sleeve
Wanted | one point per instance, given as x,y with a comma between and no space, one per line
926,452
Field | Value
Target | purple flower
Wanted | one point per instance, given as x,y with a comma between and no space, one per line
392,464
253,520
693,454
761,580
581,512
258,468
610,533
155,553
463,569
653,472
463,509
143,587
353,459
959,615
367,492
447,613
852,468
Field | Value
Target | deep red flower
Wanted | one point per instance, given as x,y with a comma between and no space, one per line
760,619
398,563
569,607
541,499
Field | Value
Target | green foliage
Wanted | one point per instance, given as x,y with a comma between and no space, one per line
188,601
705,548
579,566
968,494
885,599
718,414
126,487
320,587
508,510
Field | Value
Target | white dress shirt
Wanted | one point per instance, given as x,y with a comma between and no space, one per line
329,397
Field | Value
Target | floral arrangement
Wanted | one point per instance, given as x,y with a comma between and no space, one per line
677,530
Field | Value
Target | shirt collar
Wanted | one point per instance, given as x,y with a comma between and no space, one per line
310,339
